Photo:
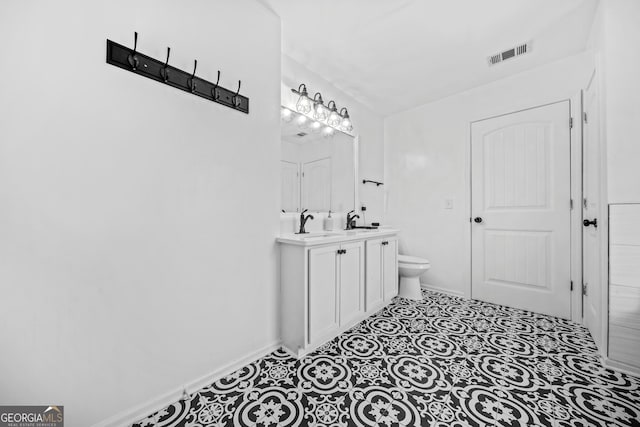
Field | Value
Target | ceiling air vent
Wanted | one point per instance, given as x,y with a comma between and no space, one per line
521,49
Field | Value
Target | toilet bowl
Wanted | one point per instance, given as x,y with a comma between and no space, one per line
410,268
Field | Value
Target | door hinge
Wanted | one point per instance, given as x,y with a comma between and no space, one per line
571,204
584,115
571,285
570,122
584,203
584,289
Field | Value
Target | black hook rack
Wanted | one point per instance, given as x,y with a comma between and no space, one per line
214,91
143,65
378,184
165,71
236,100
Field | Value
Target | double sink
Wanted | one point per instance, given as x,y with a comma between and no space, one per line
322,234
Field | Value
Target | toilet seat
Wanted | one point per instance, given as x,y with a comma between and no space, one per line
406,259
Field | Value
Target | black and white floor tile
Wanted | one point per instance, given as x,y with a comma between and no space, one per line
444,361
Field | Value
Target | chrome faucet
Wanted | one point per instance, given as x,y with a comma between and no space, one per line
351,220
303,221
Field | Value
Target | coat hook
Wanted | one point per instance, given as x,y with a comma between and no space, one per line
133,58
192,82
236,99
214,91
164,72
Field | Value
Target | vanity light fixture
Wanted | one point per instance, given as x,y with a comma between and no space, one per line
345,125
324,114
304,103
320,112
334,118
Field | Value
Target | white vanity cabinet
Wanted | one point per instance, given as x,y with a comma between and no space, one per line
336,288
323,286
381,271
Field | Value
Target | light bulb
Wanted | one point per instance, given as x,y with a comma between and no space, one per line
334,119
286,115
346,125
315,127
320,112
304,104
327,132
301,120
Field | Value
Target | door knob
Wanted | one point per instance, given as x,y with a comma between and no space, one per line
477,219
593,222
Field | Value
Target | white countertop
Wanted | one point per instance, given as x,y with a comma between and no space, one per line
325,237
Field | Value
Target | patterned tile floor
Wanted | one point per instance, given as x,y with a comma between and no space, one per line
444,361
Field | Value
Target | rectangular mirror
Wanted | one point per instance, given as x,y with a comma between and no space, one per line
317,166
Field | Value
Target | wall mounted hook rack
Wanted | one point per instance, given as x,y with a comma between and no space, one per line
160,71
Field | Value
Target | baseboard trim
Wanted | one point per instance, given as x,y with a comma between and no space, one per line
622,367
442,290
130,416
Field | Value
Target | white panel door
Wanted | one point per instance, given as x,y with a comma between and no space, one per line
591,244
290,186
351,282
520,183
316,185
390,267
323,292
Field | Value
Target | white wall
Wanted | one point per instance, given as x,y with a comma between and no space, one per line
613,38
130,210
368,125
621,21
427,161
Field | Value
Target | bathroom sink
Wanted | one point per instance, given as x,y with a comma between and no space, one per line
359,231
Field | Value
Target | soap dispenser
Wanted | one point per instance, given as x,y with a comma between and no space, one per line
328,223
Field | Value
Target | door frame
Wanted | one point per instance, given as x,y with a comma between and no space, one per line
603,213
575,140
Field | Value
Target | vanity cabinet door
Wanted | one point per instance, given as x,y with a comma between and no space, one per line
390,267
351,282
374,293
323,292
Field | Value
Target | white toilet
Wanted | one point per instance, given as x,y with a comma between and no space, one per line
410,268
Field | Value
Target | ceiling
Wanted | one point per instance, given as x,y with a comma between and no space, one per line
393,55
